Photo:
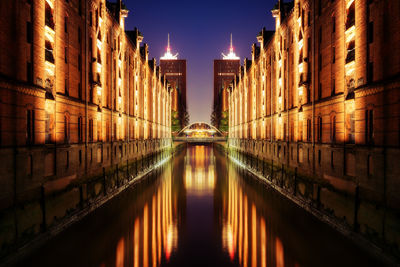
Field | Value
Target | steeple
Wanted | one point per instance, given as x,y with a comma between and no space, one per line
168,54
232,54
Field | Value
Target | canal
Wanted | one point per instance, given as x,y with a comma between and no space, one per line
199,209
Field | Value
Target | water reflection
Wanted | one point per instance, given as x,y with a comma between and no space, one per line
199,211
199,170
244,229
155,230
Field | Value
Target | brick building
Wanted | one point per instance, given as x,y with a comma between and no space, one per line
174,70
78,96
320,98
225,71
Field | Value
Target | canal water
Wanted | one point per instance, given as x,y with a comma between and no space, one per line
199,209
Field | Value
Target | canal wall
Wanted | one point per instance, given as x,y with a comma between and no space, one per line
342,203
61,202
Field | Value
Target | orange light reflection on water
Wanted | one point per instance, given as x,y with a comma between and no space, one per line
244,228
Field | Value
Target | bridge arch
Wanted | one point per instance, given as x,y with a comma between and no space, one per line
200,129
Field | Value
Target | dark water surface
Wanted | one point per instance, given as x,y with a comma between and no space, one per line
198,210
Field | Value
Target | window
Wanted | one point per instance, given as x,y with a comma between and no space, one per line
333,55
319,157
66,129
91,130
66,54
66,91
333,129
66,24
99,131
333,24
351,52
49,20
80,91
370,32
319,129
30,126
320,35
29,32
333,91
351,19
90,18
80,7
369,126
80,129
319,7
319,90
308,130
48,52
319,62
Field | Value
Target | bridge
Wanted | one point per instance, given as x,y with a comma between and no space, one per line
200,132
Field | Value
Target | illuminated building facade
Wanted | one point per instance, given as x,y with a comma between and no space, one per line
174,70
79,96
319,100
225,71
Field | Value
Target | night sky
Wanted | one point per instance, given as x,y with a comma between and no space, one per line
200,32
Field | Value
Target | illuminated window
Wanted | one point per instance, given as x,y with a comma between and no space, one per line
351,52
49,19
49,52
351,18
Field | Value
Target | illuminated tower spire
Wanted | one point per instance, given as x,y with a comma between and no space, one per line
168,54
232,54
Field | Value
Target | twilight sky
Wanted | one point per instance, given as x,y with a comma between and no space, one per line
200,32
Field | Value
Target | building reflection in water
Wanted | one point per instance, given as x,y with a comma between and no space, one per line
199,175
155,230
244,228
